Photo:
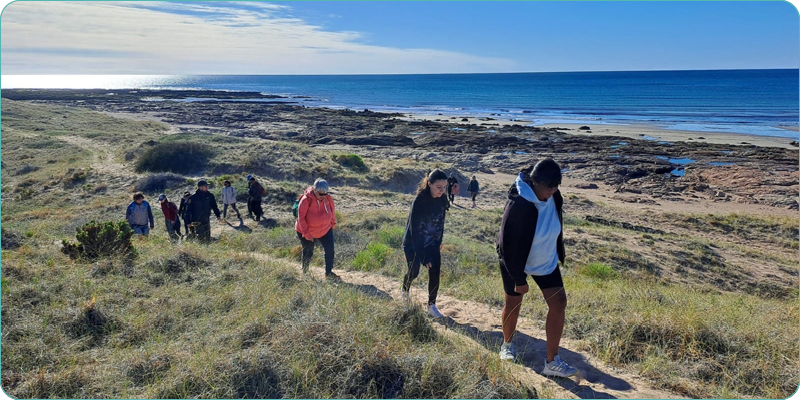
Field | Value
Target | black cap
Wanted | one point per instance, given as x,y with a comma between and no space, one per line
202,183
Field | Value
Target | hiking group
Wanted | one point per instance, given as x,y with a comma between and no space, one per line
530,241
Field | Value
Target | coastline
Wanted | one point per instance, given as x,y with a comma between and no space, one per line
633,131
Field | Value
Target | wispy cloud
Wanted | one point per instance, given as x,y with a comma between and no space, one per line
200,38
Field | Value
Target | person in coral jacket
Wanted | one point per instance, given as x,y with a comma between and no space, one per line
316,219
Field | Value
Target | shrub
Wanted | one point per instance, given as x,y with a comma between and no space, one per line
373,257
101,239
26,169
181,157
352,161
599,271
392,236
157,183
10,240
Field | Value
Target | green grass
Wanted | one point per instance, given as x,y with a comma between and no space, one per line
598,271
372,258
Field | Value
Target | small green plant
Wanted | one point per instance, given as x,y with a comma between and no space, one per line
373,257
599,271
392,236
352,161
101,239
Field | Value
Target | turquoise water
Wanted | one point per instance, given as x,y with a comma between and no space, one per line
742,101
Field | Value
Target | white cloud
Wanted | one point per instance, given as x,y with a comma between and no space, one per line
200,38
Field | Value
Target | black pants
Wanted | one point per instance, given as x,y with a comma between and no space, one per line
414,263
452,197
308,250
204,231
186,225
474,195
225,210
255,208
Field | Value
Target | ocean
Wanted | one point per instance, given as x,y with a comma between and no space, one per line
737,101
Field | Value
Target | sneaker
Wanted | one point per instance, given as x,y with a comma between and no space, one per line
507,351
406,297
558,367
434,312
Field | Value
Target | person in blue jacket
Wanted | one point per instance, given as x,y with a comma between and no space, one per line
139,214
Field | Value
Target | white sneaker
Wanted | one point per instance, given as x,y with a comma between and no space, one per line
507,351
406,297
558,367
434,312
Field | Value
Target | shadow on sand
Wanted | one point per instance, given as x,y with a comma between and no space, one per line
531,353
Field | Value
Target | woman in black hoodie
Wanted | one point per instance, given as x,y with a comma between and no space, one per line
531,242
424,232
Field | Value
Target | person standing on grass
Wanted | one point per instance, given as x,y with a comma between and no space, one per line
473,189
182,212
229,199
531,242
422,243
255,195
452,182
171,219
249,211
200,205
139,214
316,218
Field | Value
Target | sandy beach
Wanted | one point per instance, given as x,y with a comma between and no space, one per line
637,131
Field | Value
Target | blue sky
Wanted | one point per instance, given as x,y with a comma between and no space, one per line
393,37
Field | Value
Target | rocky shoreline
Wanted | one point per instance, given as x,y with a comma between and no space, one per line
649,170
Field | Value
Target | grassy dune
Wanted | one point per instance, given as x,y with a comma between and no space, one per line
703,305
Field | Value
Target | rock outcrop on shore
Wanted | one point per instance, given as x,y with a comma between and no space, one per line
652,170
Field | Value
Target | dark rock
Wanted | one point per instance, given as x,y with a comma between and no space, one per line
586,186
584,128
464,119
794,143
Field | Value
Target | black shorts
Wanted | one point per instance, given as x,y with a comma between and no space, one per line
552,280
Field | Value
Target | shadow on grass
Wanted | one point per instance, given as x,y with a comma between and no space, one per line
531,353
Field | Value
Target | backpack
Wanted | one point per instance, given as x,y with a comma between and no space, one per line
296,206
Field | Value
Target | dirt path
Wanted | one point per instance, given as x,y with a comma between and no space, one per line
479,324
103,161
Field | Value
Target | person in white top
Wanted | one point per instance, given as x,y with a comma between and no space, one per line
530,243
229,199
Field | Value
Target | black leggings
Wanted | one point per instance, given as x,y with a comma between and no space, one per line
225,210
327,244
414,264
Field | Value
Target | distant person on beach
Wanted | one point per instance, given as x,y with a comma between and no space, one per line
255,196
199,206
316,218
473,189
452,183
422,243
182,209
531,242
139,214
229,199
171,219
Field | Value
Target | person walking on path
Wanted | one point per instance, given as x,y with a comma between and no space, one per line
229,199
316,218
255,195
199,206
452,184
171,219
422,243
473,189
531,242
182,212
139,214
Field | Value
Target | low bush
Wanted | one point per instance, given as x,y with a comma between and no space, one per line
157,183
352,161
181,157
101,239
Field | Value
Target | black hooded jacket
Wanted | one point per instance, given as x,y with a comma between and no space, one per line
517,230
200,205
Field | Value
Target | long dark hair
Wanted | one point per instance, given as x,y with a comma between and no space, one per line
433,176
545,172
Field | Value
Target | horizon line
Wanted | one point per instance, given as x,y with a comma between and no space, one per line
429,73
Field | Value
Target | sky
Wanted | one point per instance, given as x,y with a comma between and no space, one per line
309,37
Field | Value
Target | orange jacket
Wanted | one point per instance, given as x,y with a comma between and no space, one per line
315,215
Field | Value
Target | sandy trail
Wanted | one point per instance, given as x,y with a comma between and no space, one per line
103,161
480,324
